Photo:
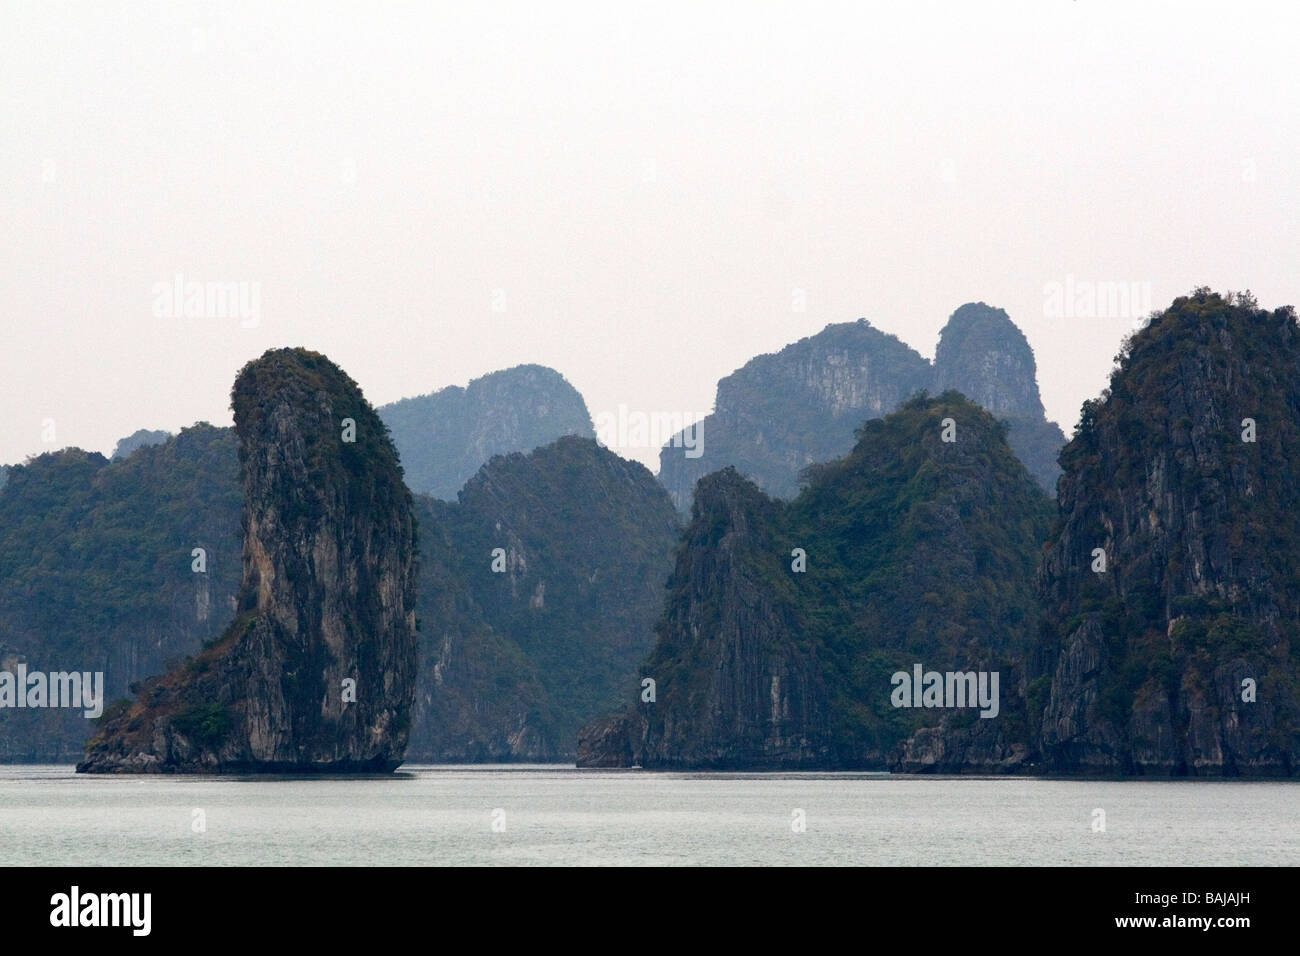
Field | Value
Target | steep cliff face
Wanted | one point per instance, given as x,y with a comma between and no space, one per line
781,413
1181,656
317,671
785,411
984,356
544,581
733,687
119,567
786,622
443,438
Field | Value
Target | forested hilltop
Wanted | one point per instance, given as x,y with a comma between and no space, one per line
539,589
785,621
123,567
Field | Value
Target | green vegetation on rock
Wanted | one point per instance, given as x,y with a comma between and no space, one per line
918,551
1200,529
522,657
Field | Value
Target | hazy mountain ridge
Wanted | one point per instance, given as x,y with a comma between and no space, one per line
983,355
784,411
138,439
444,437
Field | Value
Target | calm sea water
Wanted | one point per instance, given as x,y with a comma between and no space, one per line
561,815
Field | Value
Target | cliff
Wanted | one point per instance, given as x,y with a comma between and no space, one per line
1181,656
733,687
317,671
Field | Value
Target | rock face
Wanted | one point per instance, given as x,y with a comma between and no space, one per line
516,659
781,413
444,437
785,622
733,688
984,356
139,439
1181,656
317,671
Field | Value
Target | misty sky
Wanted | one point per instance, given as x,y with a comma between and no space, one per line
639,196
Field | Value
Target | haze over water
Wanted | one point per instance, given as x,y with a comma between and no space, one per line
559,815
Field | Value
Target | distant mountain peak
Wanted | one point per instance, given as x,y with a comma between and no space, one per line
445,436
985,356
139,439
786,410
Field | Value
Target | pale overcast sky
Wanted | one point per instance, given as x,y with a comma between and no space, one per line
639,195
